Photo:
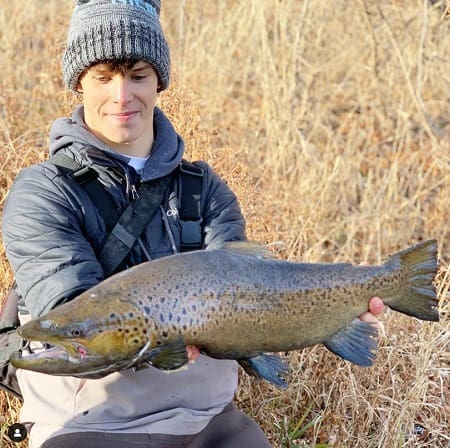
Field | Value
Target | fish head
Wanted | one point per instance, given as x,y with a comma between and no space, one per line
88,343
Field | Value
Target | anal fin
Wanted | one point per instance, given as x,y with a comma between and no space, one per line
356,343
269,367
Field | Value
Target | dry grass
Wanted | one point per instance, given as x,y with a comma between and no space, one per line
331,122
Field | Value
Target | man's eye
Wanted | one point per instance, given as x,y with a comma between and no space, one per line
102,78
138,77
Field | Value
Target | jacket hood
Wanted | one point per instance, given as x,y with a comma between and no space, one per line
72,132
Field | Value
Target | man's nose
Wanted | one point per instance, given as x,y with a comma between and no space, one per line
121,89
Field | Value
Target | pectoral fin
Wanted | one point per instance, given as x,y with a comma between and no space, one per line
269,367
170,356
356,343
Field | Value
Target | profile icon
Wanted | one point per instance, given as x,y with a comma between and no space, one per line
17,432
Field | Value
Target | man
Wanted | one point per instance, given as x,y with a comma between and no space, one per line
118,60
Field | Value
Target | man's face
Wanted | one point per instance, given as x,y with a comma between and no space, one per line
118,106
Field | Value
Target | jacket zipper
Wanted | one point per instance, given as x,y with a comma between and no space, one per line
134,193
130,188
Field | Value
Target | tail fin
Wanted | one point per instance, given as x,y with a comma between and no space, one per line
420,299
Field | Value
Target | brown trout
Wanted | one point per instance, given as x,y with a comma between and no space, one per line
233,303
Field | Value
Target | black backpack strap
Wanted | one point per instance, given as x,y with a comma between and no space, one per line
10,341
190,199
190,206
9,319
87,177
132,223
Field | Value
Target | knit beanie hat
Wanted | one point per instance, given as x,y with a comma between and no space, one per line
102,30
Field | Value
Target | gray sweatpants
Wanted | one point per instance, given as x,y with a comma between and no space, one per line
229,429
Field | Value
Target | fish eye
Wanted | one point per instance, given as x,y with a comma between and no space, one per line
76,332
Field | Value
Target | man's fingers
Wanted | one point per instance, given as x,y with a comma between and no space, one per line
376,306
193,352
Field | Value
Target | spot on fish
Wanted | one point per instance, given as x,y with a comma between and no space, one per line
161,317
165,334
147,310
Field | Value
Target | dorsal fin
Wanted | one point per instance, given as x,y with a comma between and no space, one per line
249,248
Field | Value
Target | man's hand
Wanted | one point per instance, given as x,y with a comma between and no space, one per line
193,352
376,307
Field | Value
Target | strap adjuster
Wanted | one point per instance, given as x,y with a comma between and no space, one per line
190,168
191,235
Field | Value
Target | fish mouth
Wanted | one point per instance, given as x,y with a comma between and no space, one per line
57,360
27,356
75,360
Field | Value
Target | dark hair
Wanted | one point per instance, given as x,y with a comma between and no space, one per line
116,65
119,65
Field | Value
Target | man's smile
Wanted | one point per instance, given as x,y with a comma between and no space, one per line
124,116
